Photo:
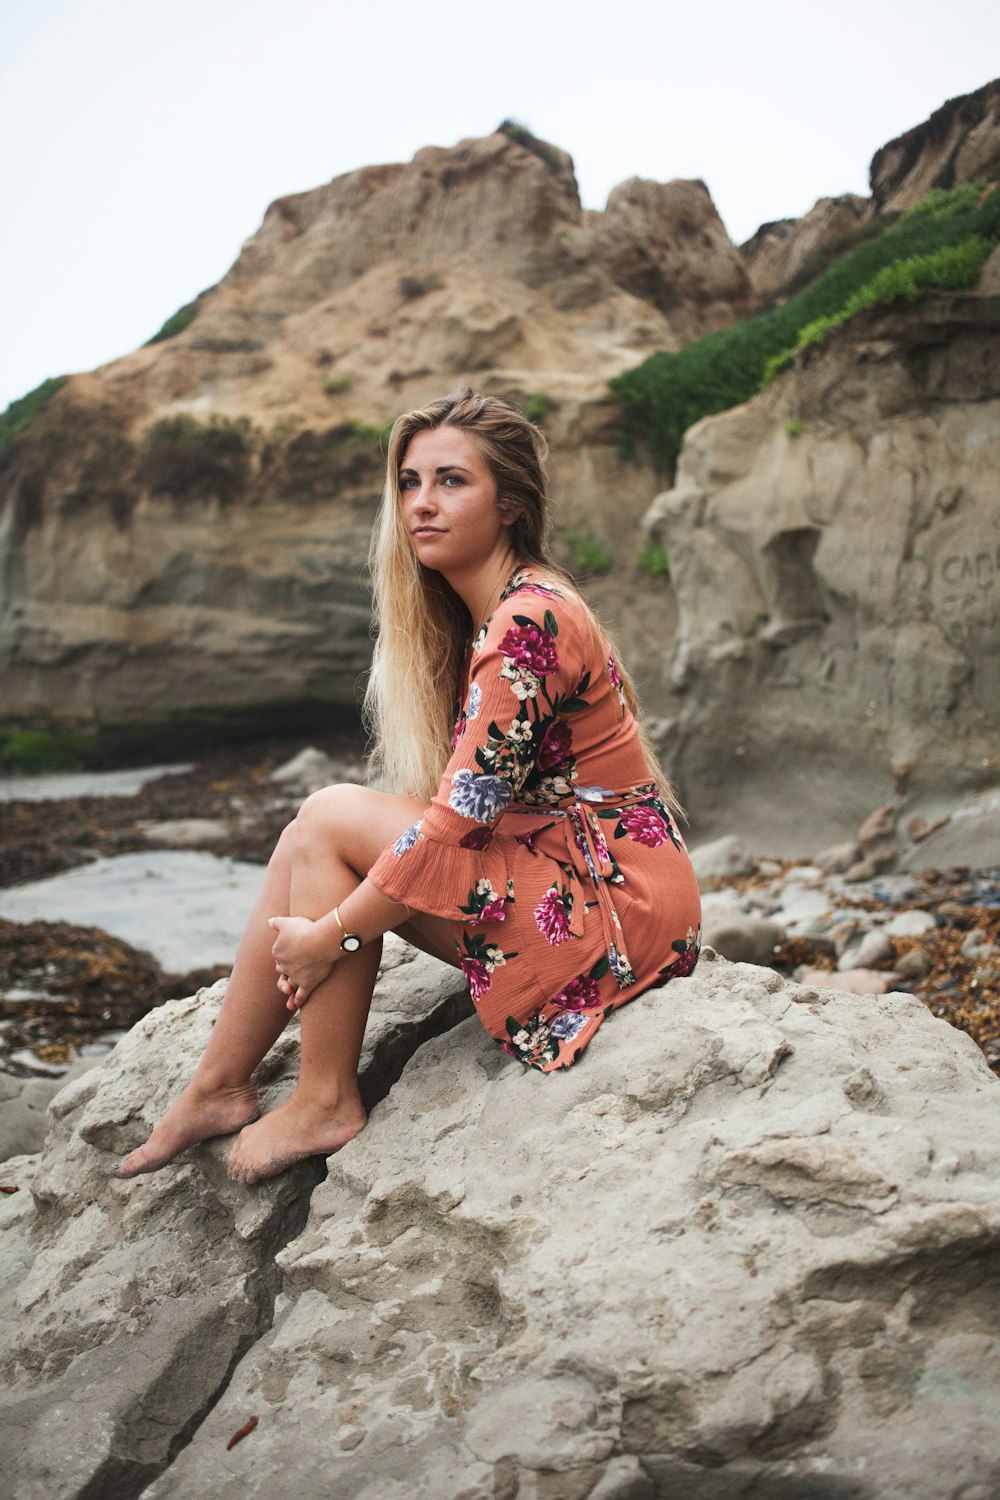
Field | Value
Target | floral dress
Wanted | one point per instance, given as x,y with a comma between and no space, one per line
547,843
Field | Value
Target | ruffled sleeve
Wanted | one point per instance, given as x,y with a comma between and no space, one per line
525,672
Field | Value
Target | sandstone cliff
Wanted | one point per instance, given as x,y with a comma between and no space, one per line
183,532
836,560
960,141
759,1261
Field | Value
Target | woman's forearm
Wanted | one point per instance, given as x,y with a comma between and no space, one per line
365,913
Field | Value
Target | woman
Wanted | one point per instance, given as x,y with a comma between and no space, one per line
542,857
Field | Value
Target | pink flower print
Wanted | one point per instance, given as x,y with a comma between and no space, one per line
613,672
531,649
644,825
552,916
476,976
476,838
683,964
582,993
493,911
555,748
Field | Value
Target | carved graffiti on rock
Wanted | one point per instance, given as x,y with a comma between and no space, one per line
967,593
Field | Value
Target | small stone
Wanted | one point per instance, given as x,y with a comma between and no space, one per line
308,771
877,827
721,857
843,934
913,965
913,923
838,858
186,833
854,981
742,938
973,942
867,953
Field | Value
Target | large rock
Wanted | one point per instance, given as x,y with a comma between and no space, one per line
959,142
210,573
759,1260
785,251
835,552
125,1306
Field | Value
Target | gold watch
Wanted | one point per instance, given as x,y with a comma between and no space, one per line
350,942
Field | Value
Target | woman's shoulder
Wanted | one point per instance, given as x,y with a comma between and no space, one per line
539,614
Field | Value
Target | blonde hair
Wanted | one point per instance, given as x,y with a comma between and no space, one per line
423,626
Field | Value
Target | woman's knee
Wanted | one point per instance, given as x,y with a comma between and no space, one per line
328,812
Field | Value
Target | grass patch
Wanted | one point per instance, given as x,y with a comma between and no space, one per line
175,324
22,412
793,427
522,136
669,392
40,750
187,458
653,559
535,408
589,554
337,384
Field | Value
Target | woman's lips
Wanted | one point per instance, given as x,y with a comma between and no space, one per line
428,531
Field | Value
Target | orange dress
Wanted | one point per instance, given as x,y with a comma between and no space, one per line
546,843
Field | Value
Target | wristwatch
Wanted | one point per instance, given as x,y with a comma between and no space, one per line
350,942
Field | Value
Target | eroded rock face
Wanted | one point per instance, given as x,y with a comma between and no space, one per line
959,142
781,252
125,1309
835,551
147,574
748,1247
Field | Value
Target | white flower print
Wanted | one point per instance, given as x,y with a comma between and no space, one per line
475,700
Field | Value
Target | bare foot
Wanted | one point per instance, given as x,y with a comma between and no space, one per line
298,1128
197,1115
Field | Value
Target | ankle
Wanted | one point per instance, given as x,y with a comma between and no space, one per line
213,1083
330,1098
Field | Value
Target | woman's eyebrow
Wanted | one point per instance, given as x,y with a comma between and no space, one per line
441,469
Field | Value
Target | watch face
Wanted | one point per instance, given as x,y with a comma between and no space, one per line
351,943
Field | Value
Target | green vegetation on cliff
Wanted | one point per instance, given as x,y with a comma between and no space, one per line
940,242
176,323
25,409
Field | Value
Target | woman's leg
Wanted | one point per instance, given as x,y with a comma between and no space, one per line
340,832
220,1097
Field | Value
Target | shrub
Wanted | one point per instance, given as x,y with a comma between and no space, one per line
668,392
184,457
793,427
522,136
40,750
315,461
25,409
338,383
535,408
176,323
625,448
589,553
653,559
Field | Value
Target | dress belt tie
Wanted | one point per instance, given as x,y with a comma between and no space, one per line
588,856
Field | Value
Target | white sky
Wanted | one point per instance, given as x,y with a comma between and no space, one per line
142,140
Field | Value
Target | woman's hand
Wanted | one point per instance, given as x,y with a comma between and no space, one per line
300,958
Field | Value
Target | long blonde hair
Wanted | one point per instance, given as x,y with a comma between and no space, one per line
423,626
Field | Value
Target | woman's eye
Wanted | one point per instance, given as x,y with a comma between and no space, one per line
454,480
408,482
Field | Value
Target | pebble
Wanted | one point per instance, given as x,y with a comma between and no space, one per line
186,833
913,965
912,923
721,857
868,952
854,981
838,858
740,937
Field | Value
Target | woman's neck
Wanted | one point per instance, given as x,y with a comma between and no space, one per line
481,593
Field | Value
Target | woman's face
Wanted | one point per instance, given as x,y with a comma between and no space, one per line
449,502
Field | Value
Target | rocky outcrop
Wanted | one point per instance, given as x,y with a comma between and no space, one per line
959,142
183,533
835,552
761,1260
787,252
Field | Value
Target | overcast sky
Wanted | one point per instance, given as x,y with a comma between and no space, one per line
143,139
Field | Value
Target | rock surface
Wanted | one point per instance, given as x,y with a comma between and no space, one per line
210,572
781,252
758,1261
956,144
842,570
131,1302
